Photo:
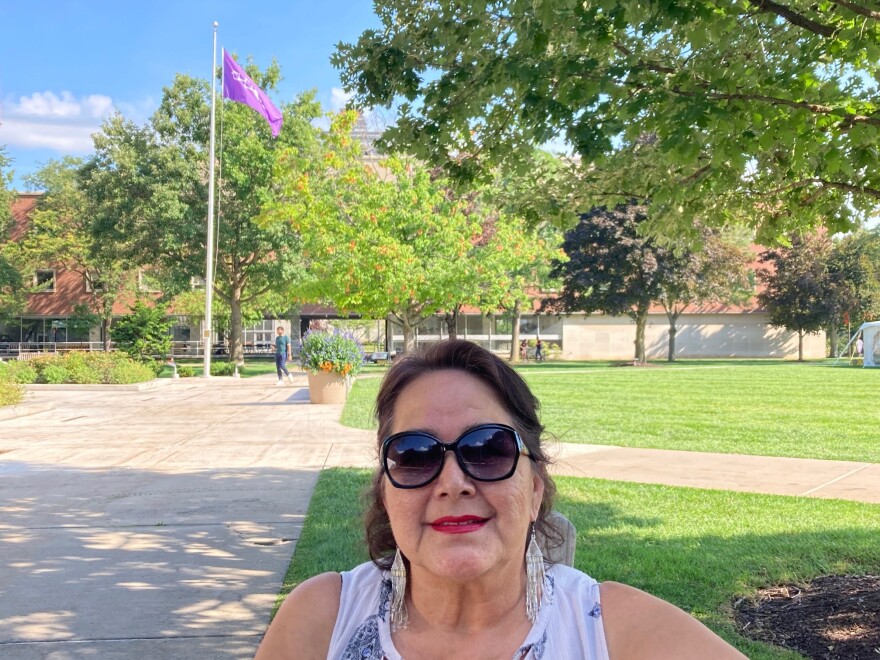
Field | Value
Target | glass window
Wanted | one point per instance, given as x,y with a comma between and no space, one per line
501,346
477,324
93,283
58,330
430,326
503,325
44,280
528,324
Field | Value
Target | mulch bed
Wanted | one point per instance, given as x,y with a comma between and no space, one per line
835,617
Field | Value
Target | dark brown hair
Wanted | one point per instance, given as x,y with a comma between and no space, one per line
511,390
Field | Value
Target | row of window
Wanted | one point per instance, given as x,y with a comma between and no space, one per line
44,282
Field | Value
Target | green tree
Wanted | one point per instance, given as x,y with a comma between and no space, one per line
11,285
758,111
60,233
150,189
855,258
143,334
509,260
385,240
529,206
800,293
519,260
7,196
716,270
612,268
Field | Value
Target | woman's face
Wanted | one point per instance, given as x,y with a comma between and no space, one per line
496,514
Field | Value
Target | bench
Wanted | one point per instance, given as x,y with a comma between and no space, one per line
32,355
378,357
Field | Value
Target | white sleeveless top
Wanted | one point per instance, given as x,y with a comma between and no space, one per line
569,622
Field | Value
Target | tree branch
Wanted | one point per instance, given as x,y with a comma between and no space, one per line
857,9
691,178
793,17
838,185
256,294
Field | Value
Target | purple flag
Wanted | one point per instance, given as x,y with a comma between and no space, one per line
238,86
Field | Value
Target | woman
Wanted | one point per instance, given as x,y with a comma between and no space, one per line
461,494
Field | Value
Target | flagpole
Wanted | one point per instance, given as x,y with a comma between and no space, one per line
209,243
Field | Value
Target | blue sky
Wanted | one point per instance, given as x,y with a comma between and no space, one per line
65,64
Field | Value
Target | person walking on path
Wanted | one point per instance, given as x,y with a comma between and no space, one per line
282,355
539,351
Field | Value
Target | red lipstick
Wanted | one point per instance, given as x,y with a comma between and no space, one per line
458,524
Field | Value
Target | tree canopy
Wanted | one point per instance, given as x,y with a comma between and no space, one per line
854,260
380,240
611,268
60,232
11,285
745,110
149,186
801,293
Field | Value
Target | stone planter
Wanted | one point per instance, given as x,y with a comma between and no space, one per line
327,387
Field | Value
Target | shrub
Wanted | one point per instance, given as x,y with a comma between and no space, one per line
20,372
128,371
143,334
11,392
78,367
186,372
54,374
83,370
337,352
40,362
222,368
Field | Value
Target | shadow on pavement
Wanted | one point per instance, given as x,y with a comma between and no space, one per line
128,562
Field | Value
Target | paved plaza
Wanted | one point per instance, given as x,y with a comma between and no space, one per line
158,523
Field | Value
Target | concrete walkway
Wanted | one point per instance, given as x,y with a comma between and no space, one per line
159,523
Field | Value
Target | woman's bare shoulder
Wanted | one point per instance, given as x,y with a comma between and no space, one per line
303,626
639,625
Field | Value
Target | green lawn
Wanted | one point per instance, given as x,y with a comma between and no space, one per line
700,549
762,407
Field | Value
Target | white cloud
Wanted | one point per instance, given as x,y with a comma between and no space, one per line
60,122
65,138
338,99
98,105
46,104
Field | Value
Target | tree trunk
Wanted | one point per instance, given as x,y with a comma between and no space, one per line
800,345
641,322
105,333
236,348
832,338
409,338
389,334
452,322
514,332
673,317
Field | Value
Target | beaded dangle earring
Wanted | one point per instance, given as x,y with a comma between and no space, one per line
399,616
534,578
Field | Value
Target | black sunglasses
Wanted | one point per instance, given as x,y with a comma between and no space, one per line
488,452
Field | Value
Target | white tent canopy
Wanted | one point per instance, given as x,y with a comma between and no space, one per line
871,338
870,334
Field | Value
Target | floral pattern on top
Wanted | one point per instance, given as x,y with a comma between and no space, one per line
365,644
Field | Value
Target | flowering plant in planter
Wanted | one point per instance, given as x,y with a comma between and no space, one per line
331,352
